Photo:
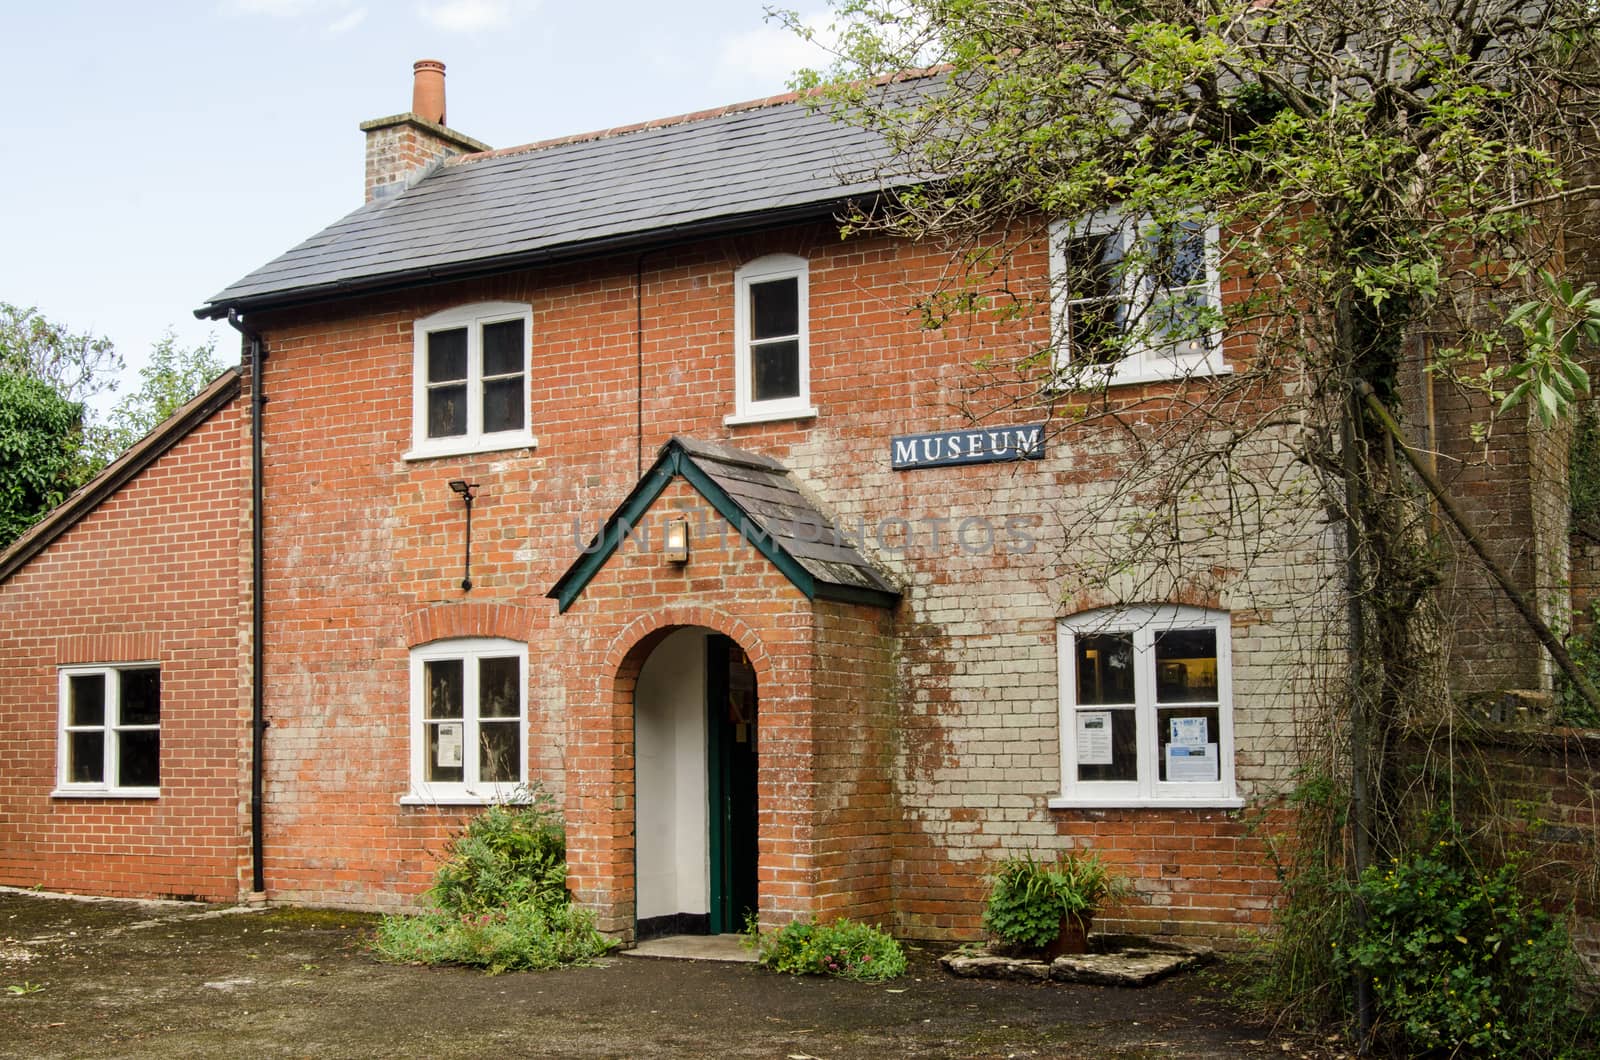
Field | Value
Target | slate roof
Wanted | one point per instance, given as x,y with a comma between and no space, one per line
757,495
762,162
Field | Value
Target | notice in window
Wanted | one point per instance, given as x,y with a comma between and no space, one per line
1192,765
1094,737
448,753
1189,732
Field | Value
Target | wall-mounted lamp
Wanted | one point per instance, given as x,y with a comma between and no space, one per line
675,541
465,488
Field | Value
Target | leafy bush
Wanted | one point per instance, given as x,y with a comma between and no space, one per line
1029,898
500,899
523,936
1460,961
508,855
844,949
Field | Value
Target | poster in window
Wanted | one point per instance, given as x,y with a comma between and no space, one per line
448,752
1189,732
1192,765
1094,738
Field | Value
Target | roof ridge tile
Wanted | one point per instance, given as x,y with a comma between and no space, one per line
744,107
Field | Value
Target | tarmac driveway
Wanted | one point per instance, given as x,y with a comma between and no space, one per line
133,979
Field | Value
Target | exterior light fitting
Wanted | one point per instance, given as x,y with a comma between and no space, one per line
465,490
675,541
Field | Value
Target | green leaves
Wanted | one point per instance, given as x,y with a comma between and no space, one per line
1460,960
40,436
172,375
1553,332
500,898
842,949
1029,898
508,854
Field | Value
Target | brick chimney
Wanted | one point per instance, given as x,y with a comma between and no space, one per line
402,146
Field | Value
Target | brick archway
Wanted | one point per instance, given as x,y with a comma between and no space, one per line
602,805
630,648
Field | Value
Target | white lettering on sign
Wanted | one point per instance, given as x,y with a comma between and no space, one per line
945,448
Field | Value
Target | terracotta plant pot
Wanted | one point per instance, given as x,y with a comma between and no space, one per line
1073,938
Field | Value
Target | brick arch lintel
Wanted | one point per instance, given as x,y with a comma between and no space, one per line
468,619
1191,593
629,648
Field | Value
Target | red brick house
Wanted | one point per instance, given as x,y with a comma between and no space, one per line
778,628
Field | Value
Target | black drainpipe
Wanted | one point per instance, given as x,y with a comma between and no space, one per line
258,718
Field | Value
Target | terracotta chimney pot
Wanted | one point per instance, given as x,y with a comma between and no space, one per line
401,147
427,90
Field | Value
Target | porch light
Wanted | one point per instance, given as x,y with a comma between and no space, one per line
466,491
675,541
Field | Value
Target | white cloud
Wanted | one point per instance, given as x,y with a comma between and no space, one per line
470,16
777,51
347,22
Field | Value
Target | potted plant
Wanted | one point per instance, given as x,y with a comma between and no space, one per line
1047,906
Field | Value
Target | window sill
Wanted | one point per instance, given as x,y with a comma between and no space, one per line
106,793
526,441
1203,802
769,416
1060,386
454,799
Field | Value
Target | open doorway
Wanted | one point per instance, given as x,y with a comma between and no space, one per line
695,747
731,712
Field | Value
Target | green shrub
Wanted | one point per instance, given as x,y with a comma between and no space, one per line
499,899
1028,898
508,854
523,936
844,949
1461,962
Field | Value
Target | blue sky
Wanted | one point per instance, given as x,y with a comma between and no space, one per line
157,152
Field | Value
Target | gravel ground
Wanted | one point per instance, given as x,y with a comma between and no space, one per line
137,979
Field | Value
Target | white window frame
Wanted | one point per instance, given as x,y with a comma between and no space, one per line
746,408
1145,791
110,726
469,791
1142,362
473,318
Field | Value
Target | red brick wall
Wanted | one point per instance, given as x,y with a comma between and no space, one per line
604,639
358,538
902,752
157,572
855,712
1497,481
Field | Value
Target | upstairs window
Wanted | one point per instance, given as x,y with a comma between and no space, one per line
1146,708
110,738
471,387
1137,300
468,720
771,324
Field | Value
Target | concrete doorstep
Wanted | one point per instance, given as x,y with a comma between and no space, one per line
730,948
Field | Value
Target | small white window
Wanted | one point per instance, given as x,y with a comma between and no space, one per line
110,737
1146,708
771,334
469,720
471,381
1135,301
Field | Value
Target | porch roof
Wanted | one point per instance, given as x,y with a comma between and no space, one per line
757,496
